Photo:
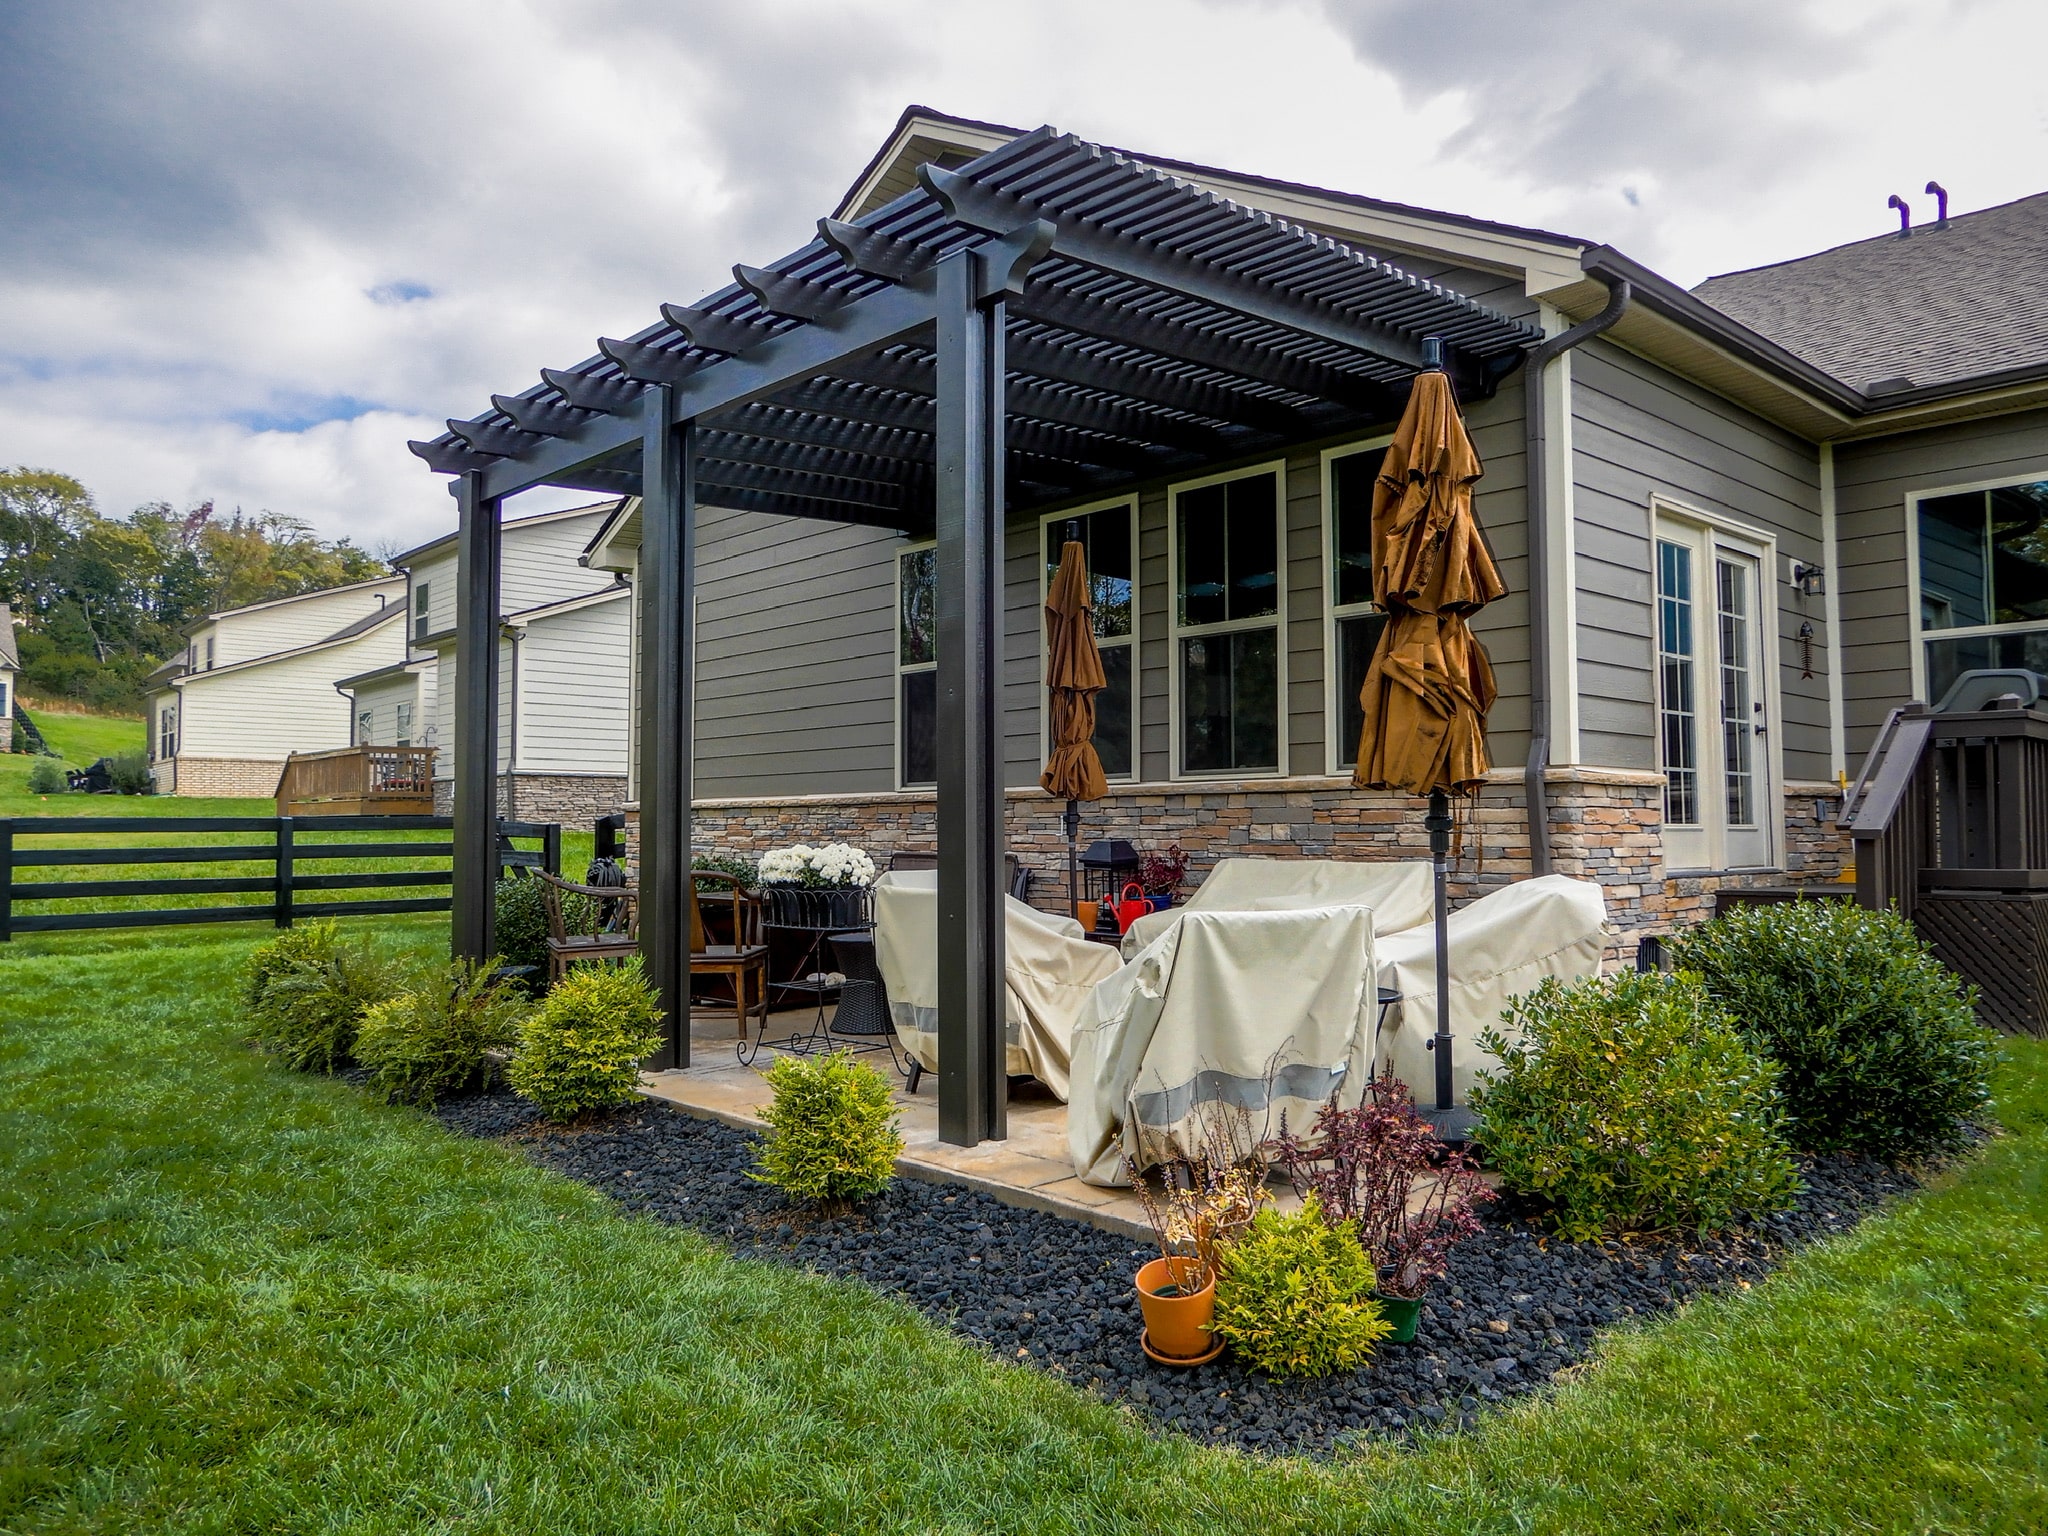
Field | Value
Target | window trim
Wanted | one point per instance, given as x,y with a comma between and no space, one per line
1277,621
897,668
1762,543
1333,705
1918,634
1136,642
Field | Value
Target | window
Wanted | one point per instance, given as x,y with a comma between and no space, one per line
1983,558
420,629
364,730
167,733
1109,535
917,678
1225,537
1355,623
404,725
209,653
1677,709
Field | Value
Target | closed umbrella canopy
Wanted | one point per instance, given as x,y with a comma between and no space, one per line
1073,677
1430,684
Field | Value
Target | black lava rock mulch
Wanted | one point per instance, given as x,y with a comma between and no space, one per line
1517,1307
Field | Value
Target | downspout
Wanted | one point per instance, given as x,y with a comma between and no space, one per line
516,634
1537,477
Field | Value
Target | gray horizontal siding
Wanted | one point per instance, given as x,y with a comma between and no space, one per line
1639,431
1872,481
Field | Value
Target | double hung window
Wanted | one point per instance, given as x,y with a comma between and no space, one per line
420,627
1355,620
917,678
1228,615
1109,538
405,725
1983,581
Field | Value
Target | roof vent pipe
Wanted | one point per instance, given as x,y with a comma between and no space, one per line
1940,204
1537,498
1905,214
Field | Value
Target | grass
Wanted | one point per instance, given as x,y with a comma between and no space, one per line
232,1299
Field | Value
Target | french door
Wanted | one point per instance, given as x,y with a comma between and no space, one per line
1713,708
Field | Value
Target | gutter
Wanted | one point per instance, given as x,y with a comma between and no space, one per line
1536,480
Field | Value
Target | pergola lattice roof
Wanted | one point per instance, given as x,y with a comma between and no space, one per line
1162,328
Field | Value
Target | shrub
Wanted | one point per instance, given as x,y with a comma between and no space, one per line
1294,1295
582,1048
522,927
46,777
1877,1042
1363,1164
741,869
307,993
832,1133
435,1039
129,774
1631,1102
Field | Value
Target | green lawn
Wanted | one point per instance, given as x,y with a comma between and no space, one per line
236,1300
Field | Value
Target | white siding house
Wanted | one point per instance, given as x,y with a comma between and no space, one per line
394,705
257,684
563,657
10,666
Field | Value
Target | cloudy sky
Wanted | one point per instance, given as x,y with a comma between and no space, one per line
249,247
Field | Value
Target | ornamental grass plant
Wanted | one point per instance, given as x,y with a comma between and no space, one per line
1630,1102
307,992
832,1130
1294,1295
581,1050
437,1038
1877,1043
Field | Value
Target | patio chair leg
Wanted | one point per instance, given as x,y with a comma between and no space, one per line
916,1071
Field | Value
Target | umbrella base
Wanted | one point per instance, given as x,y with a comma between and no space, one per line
1453,1125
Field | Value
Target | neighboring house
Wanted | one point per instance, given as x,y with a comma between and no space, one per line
564,649
392,706
1776,507
256,684
10,668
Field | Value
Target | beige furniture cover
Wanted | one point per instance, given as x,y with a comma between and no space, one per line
1269,1012
1501,945
1049,972
1399,893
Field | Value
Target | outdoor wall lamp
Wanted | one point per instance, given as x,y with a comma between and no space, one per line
1811,580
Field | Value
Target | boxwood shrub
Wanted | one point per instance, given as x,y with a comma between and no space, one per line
832,1134
1877,1042
437,1038
581,1049
1294,1295
522,927
1629,1101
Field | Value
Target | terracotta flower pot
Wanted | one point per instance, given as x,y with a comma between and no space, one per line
1084,911
1176,1327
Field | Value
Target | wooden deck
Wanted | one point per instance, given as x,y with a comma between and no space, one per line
358,781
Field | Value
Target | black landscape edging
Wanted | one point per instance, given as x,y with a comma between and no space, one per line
1517,1307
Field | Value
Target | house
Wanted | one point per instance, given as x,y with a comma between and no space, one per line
256,684
564,656
1712,510
10,667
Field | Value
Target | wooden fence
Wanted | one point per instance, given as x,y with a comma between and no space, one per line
286,844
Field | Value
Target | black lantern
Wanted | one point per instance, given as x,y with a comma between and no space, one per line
1106,868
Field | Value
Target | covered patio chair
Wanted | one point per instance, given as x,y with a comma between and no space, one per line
1268,1014
1397,892
1050,971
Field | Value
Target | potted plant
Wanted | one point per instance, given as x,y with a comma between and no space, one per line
1161,874
1203,1204
1364,1165
822,886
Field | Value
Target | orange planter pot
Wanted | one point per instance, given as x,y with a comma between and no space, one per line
1177,1327
1085,912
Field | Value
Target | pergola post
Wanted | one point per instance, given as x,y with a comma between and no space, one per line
475,863
973,1086
667,578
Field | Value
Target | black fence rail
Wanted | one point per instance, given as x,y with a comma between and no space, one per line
296,849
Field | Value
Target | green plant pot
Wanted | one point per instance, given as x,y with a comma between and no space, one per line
1404,1312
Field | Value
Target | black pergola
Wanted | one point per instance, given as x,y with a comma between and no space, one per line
1050,322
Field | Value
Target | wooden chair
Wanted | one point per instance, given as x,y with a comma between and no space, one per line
611,933
744,960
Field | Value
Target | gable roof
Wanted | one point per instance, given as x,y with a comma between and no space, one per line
354,630
407,558
1936,307
296,597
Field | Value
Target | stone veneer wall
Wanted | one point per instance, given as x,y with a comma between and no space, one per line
574,800
1606,825
229,776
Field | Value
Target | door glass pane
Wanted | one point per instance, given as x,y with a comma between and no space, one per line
1351,483
1105,538
1679,743
1230,706
1738,738
1113,712
920,715
917,616
1356,640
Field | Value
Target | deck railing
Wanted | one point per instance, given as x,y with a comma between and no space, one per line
365,777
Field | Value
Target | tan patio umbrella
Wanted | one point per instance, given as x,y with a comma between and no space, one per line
1074,676
1430,684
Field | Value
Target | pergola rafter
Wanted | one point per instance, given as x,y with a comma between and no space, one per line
1050,322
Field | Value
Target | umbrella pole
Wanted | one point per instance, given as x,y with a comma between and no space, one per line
1073,822
1451,1124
